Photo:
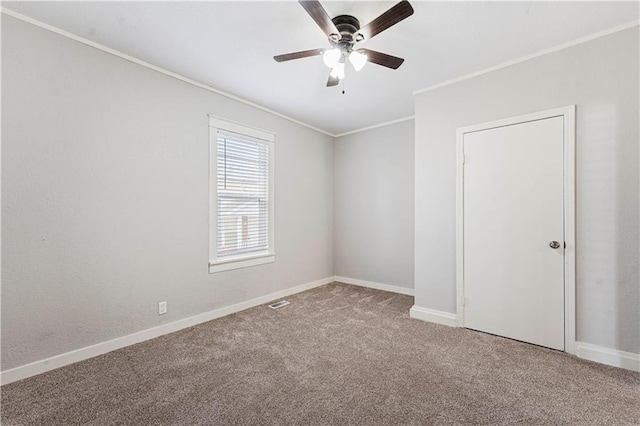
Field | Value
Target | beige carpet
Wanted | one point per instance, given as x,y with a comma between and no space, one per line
338,354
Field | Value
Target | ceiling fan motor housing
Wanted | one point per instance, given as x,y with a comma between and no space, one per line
348,26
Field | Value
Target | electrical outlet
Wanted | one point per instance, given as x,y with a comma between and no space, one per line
162,308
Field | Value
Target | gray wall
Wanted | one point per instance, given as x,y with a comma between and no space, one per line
374,205
601,78
105,198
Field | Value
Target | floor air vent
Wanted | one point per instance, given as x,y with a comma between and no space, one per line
279,304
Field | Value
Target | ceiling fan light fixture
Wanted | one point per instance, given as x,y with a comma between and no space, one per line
338,71
357,59
331,57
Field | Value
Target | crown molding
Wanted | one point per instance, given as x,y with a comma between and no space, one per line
375,126
532,56
150,66
184,79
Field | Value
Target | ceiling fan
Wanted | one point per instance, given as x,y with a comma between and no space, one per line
344,33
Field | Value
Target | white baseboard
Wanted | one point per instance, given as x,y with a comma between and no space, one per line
374,285
587,351
602,355
613,357
87,352
431,315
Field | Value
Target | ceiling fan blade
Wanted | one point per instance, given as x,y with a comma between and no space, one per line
298,55
322,18
383,59
391,17
333,81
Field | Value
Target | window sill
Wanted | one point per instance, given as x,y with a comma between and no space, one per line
242,262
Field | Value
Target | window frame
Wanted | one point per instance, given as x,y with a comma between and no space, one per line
251,259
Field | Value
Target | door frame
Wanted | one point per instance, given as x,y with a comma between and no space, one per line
568,113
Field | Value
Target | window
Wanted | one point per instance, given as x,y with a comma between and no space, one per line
241,190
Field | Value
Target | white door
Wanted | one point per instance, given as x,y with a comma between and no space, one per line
512,213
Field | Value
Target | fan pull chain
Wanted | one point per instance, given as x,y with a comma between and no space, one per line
343,91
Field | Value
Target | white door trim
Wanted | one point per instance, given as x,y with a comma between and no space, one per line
568,113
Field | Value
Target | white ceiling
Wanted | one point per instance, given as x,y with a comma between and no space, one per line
230,46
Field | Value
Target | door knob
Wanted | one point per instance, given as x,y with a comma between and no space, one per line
554,244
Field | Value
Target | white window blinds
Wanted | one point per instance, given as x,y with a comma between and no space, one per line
242,216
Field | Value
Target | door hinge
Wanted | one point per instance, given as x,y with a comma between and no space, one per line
464,158
465,301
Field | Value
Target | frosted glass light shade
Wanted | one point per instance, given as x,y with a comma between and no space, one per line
357,59
338,71
331,57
